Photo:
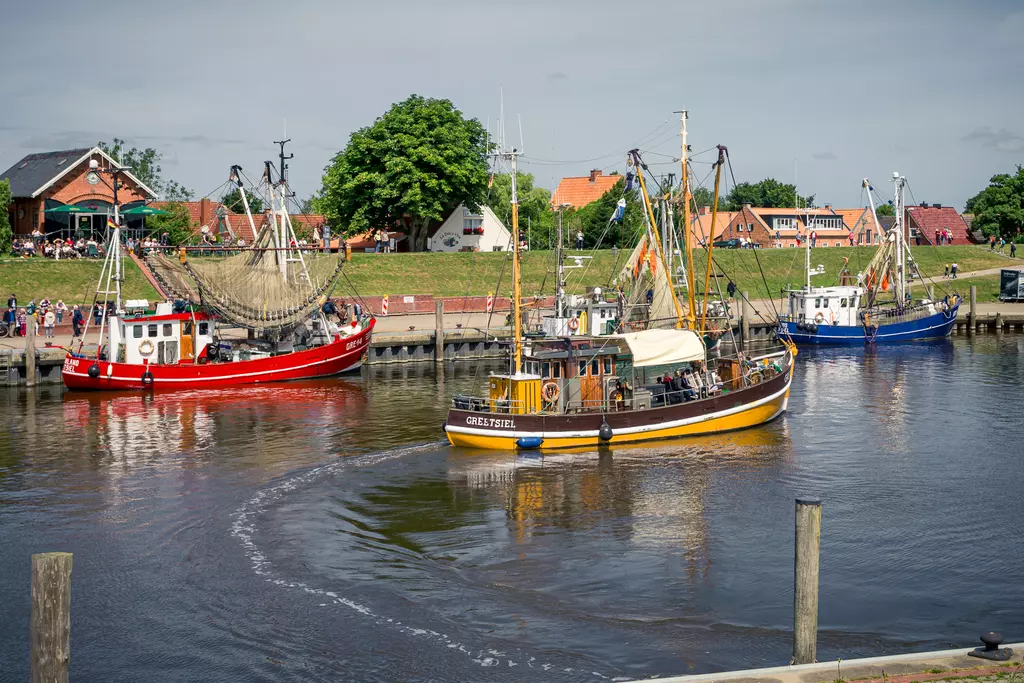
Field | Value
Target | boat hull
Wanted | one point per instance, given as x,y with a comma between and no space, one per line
935,326
341,355
730,411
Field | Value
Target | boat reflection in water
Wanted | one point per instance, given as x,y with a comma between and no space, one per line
651,496
130,427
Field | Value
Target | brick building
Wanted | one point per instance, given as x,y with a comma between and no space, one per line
927,223
48,180
582,190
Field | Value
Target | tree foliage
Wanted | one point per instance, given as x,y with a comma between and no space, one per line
594,219
705,196
144,164
412,166
885,210
535,214
999,208
6,232
769,193
233,201
177,224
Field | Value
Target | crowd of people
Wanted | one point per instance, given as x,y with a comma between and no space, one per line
44,315
58,248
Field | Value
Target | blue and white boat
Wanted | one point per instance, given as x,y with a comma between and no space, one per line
859,311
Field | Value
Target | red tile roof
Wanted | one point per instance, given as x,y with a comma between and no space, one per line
580,191
239,222
929,219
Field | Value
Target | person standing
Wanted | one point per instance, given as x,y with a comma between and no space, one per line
49,320
1013,250
77,320
946,276
731,288
953,269
60,309
814,238
991,242
579,239
12,301
31,308
22,322
10,320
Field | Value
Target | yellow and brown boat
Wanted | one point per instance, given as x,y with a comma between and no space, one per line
656,383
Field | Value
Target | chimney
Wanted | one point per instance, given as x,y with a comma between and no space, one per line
204,211
594,175
704,210
937,206
924,205
828,207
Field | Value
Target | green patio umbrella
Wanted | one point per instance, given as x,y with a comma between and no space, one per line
143,210
67,208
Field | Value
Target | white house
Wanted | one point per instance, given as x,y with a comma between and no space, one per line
468,230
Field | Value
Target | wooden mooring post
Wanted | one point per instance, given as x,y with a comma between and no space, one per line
439,331
745,318
50,634
30,352
972,322
805,593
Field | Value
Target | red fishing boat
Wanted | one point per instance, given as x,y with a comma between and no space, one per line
245,315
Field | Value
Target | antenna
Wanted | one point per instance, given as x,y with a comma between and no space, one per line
522,146
283,169
501,121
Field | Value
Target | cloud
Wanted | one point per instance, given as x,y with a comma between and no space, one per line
1002,140
826,156
557,76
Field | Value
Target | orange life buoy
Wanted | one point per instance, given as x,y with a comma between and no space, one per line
574,324
550,391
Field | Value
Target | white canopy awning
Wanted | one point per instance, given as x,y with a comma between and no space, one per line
663,347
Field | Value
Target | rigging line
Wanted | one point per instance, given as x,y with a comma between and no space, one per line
564,162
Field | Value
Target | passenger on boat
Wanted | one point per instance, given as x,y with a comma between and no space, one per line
684,387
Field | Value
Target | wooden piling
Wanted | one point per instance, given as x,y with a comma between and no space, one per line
973,322
745,318
50,634
805,593
999,322
931,292
30,352
439,331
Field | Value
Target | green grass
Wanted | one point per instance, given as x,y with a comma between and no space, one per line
464,274
74,281
476,274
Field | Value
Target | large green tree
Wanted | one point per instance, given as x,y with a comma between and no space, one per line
885,210
999,208
177,224
6,233
145,165
595,220
412,166
233,201
535,214
768,194
704,196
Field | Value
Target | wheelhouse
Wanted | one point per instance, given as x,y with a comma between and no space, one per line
163,338
825,305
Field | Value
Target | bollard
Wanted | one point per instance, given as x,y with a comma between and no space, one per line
999,322
439,331
50,634
745,318
30,352
805,593
974,310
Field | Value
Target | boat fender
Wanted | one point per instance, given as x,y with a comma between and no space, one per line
605,432
529,442
147,379
212,351
813,329
801,327
94,370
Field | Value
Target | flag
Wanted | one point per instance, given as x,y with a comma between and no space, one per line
490,181
629,181
620,211
110,223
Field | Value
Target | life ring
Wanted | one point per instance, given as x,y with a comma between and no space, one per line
754,377
146,347
820,318
212,351
147,379
574,324
551,392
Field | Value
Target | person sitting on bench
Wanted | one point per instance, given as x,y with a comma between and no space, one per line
684,389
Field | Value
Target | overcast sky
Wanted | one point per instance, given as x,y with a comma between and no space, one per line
838,89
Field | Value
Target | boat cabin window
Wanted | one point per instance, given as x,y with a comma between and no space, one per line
204,328
545,369
595,368
817,303
186,327
151,331
167,330
137,331
583,368
556,370
842,303
608,366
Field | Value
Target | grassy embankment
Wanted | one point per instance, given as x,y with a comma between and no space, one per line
477,274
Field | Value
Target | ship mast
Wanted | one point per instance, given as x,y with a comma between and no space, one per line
711,243
517,285
687,236
901,276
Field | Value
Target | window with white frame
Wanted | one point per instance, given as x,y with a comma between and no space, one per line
784,223
469,212
472,223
